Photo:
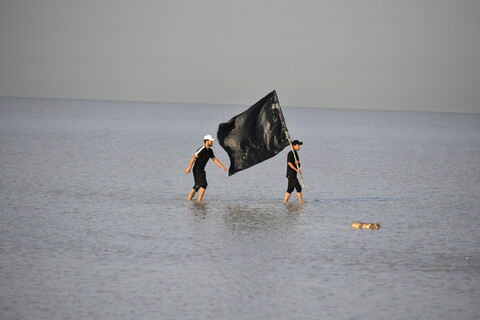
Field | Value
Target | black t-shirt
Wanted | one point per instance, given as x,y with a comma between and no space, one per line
203,155
290,158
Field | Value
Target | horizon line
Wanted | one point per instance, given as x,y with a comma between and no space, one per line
406,109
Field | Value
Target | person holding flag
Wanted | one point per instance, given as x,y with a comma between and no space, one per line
293,167
200,158
258,134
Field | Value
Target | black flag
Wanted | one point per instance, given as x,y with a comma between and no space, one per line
254,135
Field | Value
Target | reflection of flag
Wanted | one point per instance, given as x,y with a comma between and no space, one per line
254,135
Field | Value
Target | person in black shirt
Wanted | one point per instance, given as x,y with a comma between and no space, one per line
200,158
293,167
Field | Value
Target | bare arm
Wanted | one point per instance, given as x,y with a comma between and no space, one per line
293,167
219,164
189,168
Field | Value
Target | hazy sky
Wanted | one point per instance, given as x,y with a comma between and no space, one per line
403,54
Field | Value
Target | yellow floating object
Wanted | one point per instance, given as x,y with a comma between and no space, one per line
361,225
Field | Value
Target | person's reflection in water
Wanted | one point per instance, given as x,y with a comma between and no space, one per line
199,209
294,208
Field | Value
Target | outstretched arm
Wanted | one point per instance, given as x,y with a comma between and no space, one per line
187,171
219,164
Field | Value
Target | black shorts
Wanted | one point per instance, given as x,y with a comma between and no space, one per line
200,178
293,184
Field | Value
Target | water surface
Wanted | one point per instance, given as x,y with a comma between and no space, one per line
94,223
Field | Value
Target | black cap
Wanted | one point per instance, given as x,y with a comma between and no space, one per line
295,142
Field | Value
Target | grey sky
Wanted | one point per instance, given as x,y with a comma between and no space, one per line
422,55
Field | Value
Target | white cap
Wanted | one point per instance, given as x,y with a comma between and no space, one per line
208,137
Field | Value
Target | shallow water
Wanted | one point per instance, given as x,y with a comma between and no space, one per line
94,223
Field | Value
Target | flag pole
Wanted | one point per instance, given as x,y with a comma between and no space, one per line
288,138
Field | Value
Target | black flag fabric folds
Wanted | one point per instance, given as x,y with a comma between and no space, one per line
254,135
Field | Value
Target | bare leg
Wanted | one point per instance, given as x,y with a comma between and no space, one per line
201,191
191,194
287,196
299,196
